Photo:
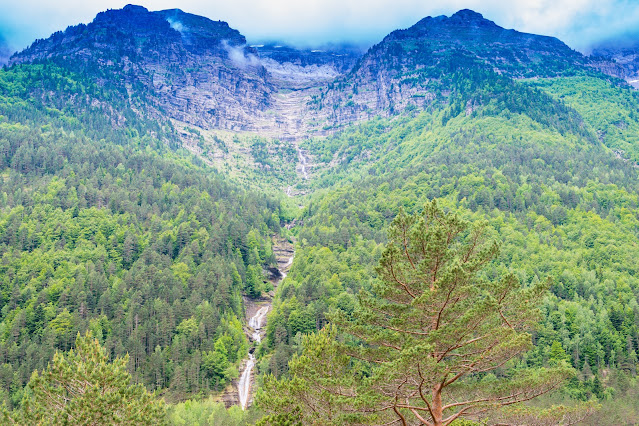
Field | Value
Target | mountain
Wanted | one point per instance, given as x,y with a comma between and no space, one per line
193,70
154,164
405,70
622,56
124,234
296,68
202,73
467,35
188,67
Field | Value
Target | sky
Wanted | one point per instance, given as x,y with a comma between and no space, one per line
579,23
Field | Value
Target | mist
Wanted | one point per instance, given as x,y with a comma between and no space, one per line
239,57
579,23
5,51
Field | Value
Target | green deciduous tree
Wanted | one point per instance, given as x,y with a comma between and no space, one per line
82,387
427,344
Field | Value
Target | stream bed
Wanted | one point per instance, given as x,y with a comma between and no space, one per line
256,325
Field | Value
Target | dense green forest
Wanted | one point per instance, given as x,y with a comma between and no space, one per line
560,202
107,228
108,225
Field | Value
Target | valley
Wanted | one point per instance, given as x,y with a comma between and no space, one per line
256,313
237,224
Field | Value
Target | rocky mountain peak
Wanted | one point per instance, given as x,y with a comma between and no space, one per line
467,16
131,20
408,69
200,31
134,29
462,18
201,72
469,34
188,67
467,27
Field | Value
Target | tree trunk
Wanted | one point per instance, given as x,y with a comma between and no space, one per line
436,406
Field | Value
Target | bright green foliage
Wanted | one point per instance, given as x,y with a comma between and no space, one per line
82,387
215,365
210,413
609,109
555,415
562,204
557,355
253,287
104,227
423,341
320,390
432,321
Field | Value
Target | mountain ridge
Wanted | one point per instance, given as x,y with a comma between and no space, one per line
623,55
203,73
108,223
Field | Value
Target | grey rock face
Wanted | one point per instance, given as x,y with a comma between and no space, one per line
176,65
185,66
619,59
406,69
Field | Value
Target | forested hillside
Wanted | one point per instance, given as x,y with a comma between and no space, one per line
561,203
103,227
142,196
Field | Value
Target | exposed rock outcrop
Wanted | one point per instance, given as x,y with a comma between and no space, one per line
404,71
619,60
176,65
185,66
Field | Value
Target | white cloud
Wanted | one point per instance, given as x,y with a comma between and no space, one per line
176,25
313,21
238,56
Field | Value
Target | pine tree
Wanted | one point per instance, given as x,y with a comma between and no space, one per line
422,346
82,387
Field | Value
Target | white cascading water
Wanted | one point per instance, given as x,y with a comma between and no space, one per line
256,322
286,266
244,386
302,161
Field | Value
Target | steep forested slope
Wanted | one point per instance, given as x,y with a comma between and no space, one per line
104,227
107,225
562,204
610,109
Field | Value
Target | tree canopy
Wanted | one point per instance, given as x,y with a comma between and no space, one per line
425,342
82,387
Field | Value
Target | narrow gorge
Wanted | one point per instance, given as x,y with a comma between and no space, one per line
258,311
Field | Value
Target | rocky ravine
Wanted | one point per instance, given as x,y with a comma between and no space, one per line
241,390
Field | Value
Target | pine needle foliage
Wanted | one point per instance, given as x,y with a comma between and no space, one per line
82,387
435,340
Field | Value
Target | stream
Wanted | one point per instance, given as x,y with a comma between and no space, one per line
302,169
244,385
303,162
256,324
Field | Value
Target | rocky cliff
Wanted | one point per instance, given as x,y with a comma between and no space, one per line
200,72
188,67
295,68
405,70
619,60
